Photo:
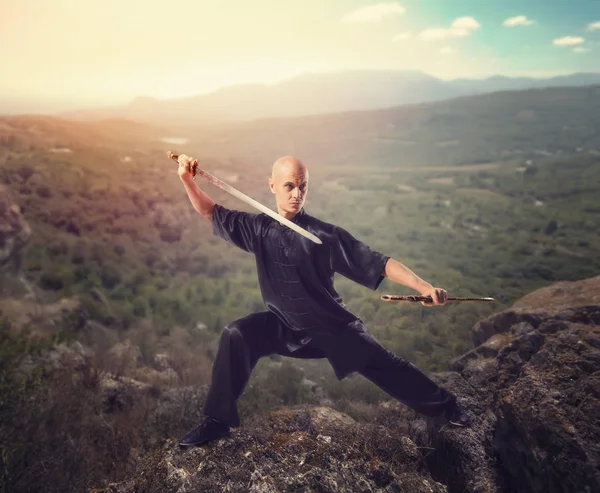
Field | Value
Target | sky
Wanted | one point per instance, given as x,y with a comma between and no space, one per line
67,54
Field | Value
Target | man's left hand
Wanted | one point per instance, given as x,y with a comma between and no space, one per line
438,295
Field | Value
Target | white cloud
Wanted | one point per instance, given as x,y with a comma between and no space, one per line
580,49
463,26
401,36
568,41
374,13
594,26
447,50
466,23
519,20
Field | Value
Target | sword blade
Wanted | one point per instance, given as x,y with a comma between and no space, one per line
257,205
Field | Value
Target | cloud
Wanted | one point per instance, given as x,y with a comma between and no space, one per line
580,49
447,50
463,26
594,26
374,13
519,20
401,36
467,23
568,41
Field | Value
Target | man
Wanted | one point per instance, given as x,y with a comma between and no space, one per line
306,317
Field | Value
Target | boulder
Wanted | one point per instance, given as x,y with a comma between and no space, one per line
539,374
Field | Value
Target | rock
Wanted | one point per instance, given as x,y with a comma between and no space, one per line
462,458
320,394
539,376
540,304
309,384
288,451
14,230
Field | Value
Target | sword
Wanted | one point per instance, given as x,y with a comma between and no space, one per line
257,205
427,299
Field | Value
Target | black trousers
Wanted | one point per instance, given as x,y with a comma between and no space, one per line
246,340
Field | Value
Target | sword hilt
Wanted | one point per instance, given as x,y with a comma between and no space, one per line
175,157
427,299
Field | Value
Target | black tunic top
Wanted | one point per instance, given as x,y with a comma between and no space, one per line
296,280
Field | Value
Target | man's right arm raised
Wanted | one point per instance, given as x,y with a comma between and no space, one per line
201,201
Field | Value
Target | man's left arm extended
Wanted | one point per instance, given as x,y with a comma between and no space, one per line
397,272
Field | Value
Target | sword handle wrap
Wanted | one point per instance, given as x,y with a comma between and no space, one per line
427,299
175,157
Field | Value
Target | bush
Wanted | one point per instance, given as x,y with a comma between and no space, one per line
551,227
423,344
109,276
44,192
57,279
171,235
140,308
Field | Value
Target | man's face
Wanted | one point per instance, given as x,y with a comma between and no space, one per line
289,183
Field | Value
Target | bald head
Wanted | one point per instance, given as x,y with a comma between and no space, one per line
287,165
289,183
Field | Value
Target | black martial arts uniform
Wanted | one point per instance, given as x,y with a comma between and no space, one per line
306,317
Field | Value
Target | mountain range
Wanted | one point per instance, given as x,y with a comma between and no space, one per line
318,94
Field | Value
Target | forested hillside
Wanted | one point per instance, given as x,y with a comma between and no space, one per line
494,195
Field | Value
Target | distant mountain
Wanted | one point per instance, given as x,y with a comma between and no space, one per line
319,94
501,83
303,95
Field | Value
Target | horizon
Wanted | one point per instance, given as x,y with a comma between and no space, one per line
131,53
58,110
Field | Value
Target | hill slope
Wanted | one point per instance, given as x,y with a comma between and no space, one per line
318,94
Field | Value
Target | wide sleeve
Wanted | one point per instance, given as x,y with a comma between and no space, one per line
356,261
236,227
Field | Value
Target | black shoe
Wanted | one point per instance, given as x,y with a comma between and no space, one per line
209,430
457,416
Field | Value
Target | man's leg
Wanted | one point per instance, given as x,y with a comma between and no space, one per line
242,344
405,382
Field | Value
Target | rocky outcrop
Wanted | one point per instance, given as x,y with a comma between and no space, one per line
532,390
539,374
303,450
559,299
14,230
